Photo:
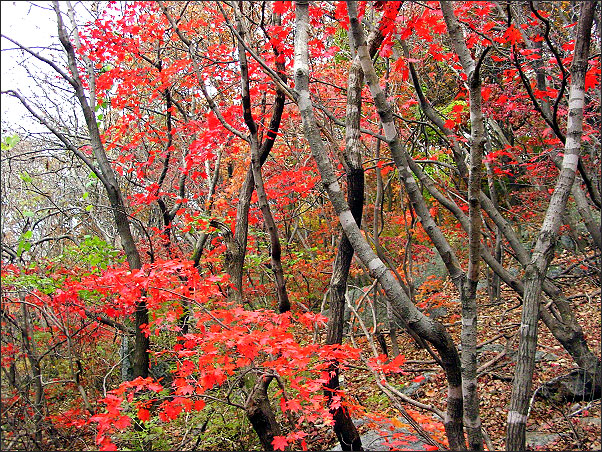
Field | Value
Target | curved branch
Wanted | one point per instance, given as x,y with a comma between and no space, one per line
59,135
50,63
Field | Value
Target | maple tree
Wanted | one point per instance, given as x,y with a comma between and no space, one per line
264,161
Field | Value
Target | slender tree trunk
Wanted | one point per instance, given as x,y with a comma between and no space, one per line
468,294
497,241
260,413
284,304
427,328
563,324
36,373
235,262
544,247
235,259
275,253
344,428
258,408
108,179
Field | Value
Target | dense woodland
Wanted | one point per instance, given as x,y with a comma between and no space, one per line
293,225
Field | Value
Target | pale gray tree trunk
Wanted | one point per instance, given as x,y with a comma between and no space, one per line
425,327
468,295
102,168
344,428
550,115
559,316
544,247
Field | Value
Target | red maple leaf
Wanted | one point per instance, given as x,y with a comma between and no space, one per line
279,442
143,414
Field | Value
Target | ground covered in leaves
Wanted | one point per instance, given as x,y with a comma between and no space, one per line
551,425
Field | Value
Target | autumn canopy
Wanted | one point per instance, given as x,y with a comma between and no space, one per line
285,225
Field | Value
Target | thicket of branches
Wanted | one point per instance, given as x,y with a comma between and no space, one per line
225,195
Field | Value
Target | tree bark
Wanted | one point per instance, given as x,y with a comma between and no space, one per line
427,328
468,294
36,373
544,247
344,428
275,252
142,342
258,408
260,413
562,323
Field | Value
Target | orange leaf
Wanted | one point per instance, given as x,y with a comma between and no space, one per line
143,414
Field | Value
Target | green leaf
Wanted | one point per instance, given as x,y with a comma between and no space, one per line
28,213
25,177
88,208
24,245
9,142
85,195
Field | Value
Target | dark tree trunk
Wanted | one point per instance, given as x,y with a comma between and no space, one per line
428,329
344,428
109,181
260,413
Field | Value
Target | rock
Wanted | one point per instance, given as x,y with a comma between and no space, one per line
539,355
589,420
161,371
411,388
482,284
554,272
567,242
537,439
543,356
374,440
493,348
514,271
575,386
436,313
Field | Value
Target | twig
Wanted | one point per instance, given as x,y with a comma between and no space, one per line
391,392
491,362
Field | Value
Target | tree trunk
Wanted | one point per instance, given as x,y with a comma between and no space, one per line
260,413
275,253
544,247
344,428
468,293
142,343
566,329
36,374
258,408
235,262
430,330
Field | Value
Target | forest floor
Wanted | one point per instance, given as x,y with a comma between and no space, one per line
551,425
